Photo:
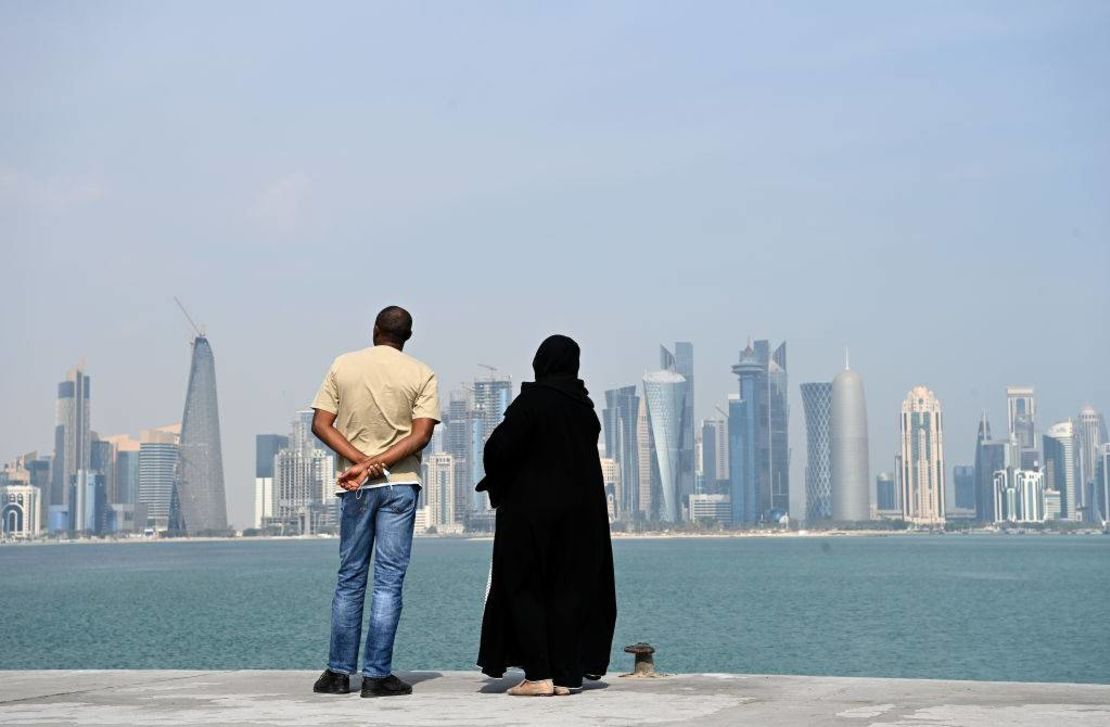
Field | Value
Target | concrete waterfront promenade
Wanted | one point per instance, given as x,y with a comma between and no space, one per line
468,698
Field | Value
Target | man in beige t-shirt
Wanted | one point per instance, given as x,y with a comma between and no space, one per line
377,409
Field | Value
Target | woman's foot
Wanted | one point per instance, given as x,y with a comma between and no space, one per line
540,688
566,691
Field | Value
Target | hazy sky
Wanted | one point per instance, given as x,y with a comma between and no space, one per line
927,183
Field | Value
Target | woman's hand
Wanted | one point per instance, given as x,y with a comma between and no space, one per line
353,478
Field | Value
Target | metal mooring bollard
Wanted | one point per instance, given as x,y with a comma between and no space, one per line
645,662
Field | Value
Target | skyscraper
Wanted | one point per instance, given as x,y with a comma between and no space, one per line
611,480
923,465
102,459
1022,410
645,460
72,438
1019,496
886,495
664,392
440,490
200,487
1102,484
157,474
1061,467
714,455
457,426
491,397
266,448
126,469
619,417
304,481
759,447
682,363
963,482
1092,434
817,406
848,449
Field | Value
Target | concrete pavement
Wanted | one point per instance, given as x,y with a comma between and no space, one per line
106,698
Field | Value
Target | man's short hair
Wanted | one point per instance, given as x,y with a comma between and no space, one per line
394,323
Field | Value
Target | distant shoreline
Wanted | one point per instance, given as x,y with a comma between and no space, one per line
616,536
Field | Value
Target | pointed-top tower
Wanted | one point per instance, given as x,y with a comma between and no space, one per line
199,495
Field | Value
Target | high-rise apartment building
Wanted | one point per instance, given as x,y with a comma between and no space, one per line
759,447
200,487
1061,467
619,419
664,392
817,407
849,454
72,435
439,485
304,481
490,398
923,467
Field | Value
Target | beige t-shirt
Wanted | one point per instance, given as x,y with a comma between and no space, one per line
375,394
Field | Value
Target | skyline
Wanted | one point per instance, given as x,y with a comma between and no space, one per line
799,500
744,171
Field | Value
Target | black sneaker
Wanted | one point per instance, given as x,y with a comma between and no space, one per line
389,686
332,683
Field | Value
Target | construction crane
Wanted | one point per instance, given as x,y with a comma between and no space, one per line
198,329
492,370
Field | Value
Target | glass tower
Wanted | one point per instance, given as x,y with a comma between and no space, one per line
817,406
72,438
1061,467
200,505
759,447
621,408
664,392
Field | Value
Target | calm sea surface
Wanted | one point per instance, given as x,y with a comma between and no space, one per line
997,608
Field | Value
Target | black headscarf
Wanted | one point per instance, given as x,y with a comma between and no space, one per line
556,367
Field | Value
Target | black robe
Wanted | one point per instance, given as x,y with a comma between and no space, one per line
552,604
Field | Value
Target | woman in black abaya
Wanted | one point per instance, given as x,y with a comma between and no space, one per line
552,604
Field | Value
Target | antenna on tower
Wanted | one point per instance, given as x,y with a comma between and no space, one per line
847,364
198,329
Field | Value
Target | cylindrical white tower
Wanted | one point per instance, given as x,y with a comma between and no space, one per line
848,453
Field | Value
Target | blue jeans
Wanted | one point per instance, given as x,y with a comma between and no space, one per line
378,520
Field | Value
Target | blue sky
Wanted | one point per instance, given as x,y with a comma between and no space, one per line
925,183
